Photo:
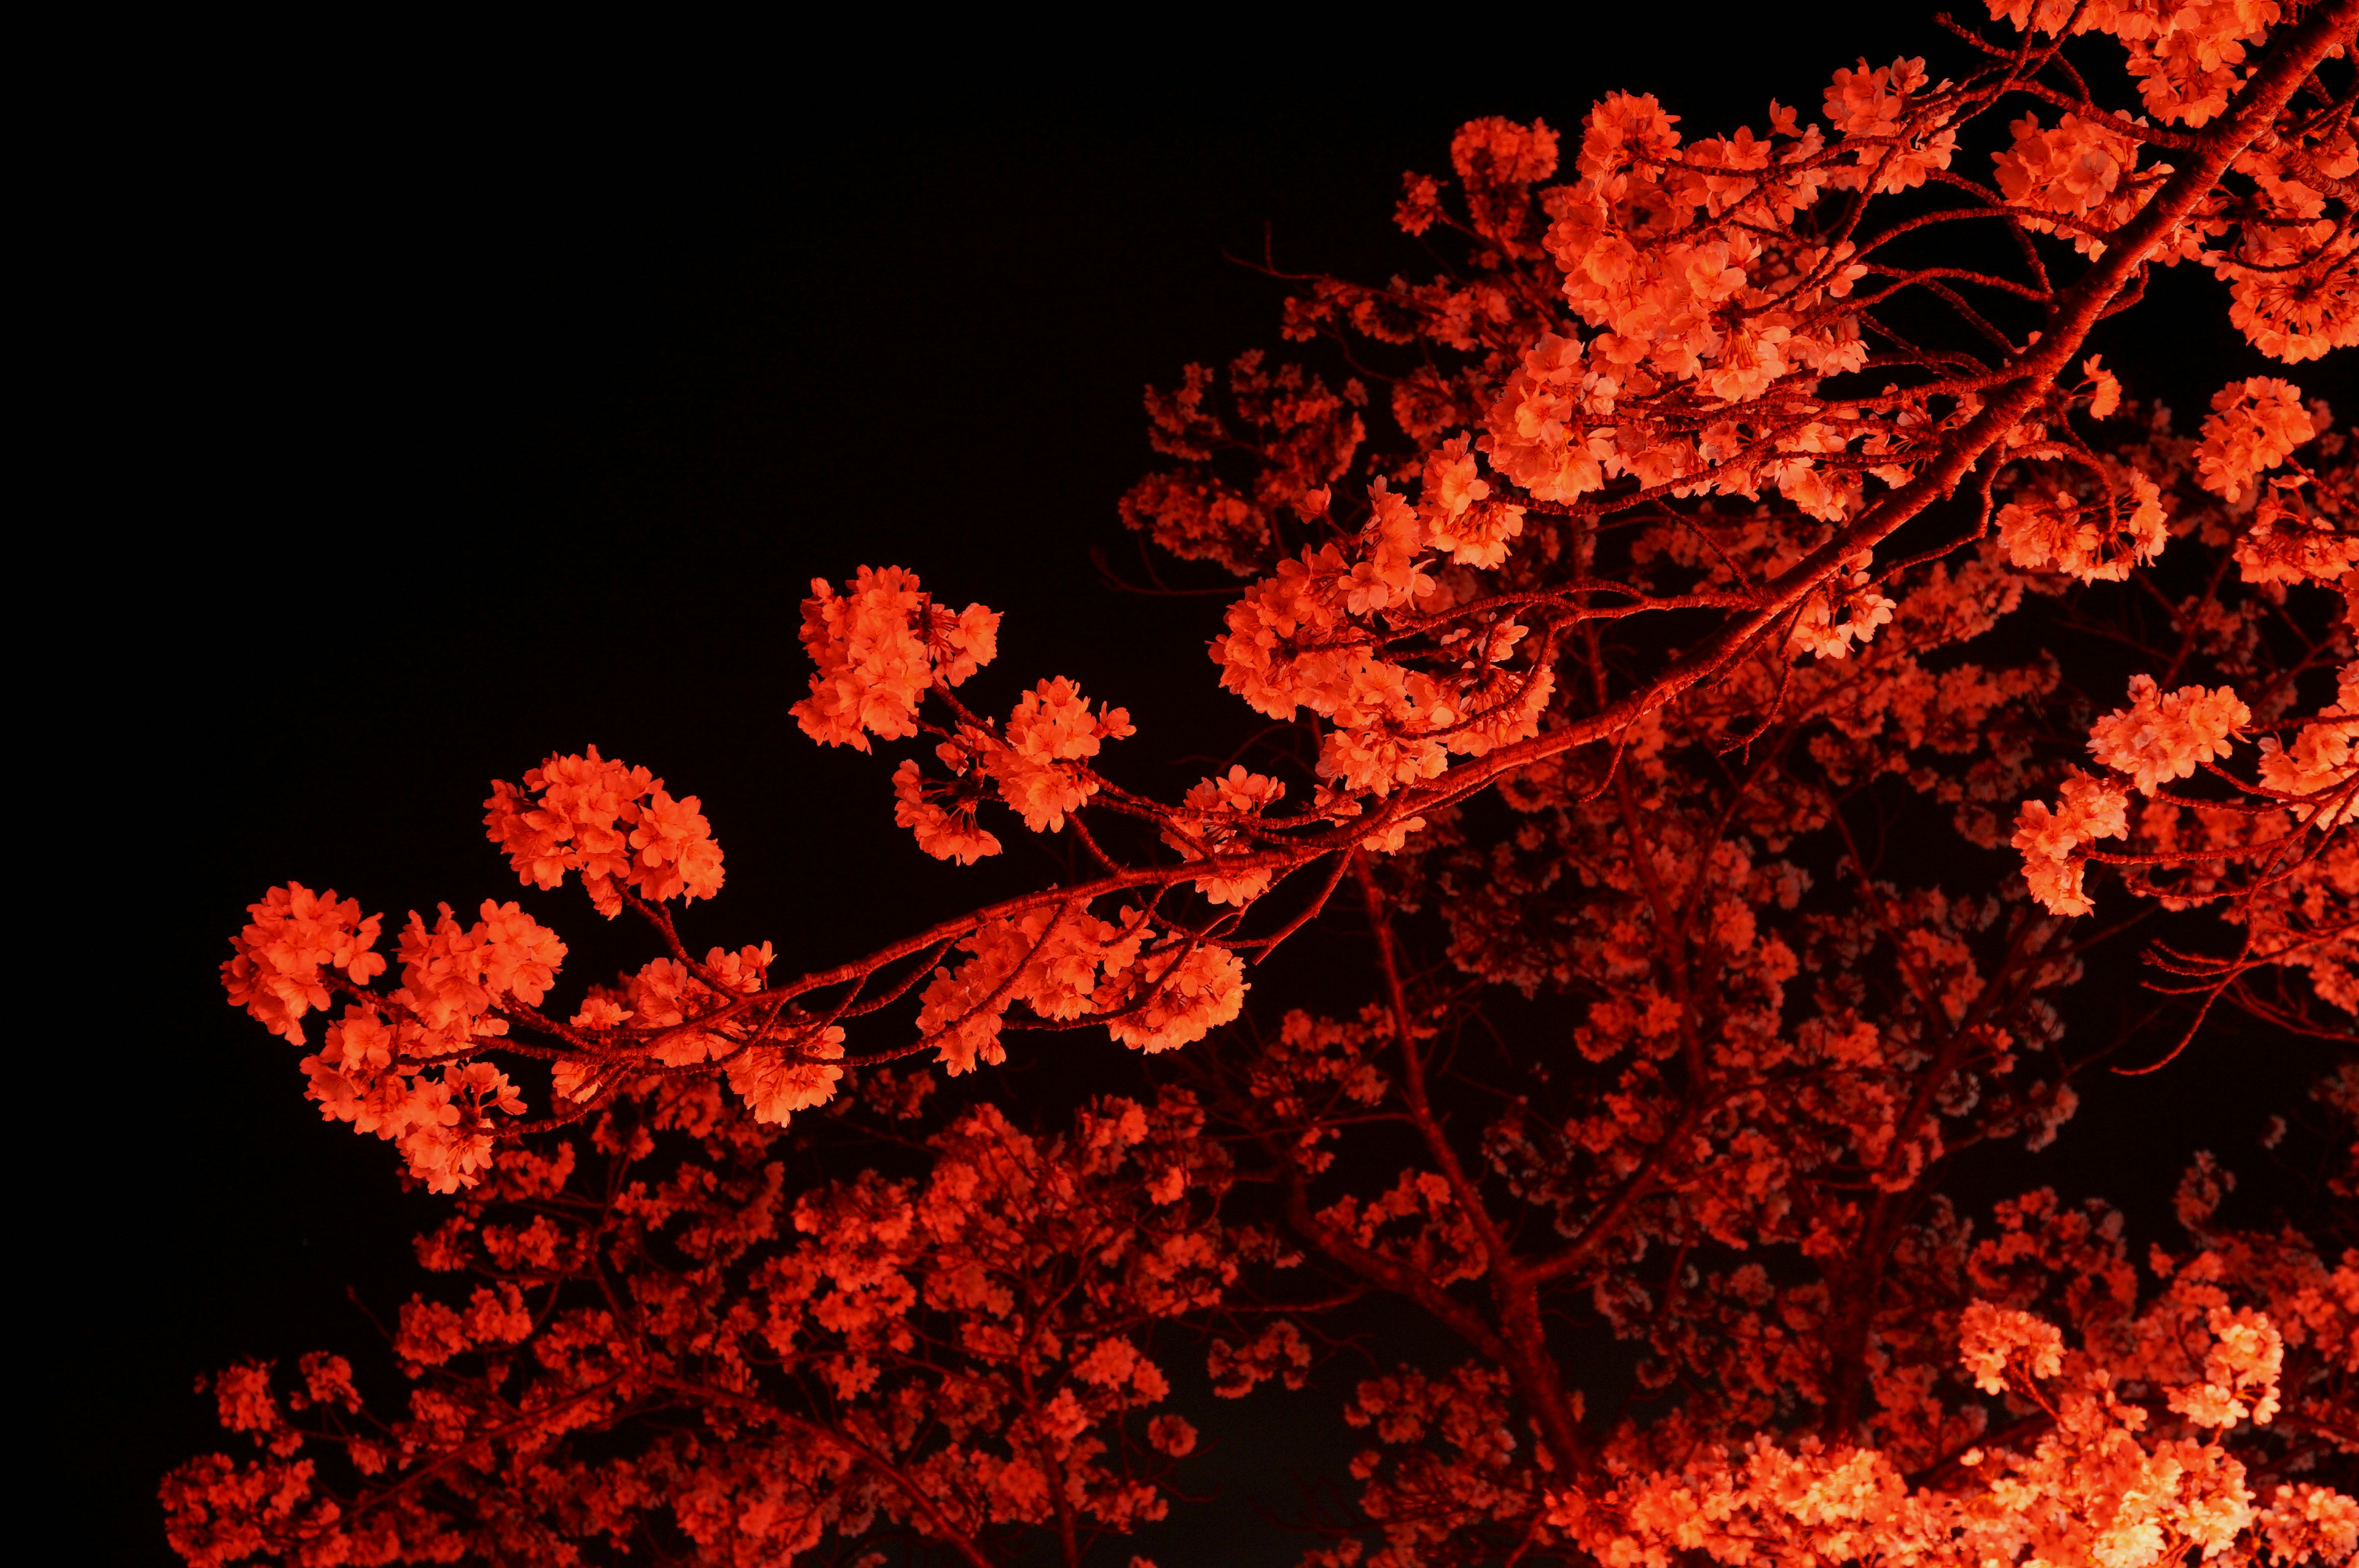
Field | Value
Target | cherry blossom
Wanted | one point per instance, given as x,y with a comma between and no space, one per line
2253,426
2162,736
879,646
276,973
1694,657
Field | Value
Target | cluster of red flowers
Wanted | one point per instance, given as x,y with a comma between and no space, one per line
1623,564
613,826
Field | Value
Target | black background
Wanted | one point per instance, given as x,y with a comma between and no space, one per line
420,407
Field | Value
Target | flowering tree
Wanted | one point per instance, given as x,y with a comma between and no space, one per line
1734,503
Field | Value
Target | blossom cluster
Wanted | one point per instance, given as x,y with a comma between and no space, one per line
2286,254
2088,810
1217,814
2079,170
2254,425
614,825
2184,58
2096,1486
1660,1033
2159,737
1154,991
1684,262
962,1354
1301,436
377,1067
2317,773
1037,764
1301,639
277,968
880,645
2162,736
2099,540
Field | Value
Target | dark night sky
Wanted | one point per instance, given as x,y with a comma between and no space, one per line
425,422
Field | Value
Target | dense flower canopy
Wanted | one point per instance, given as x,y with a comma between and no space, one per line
1601,611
